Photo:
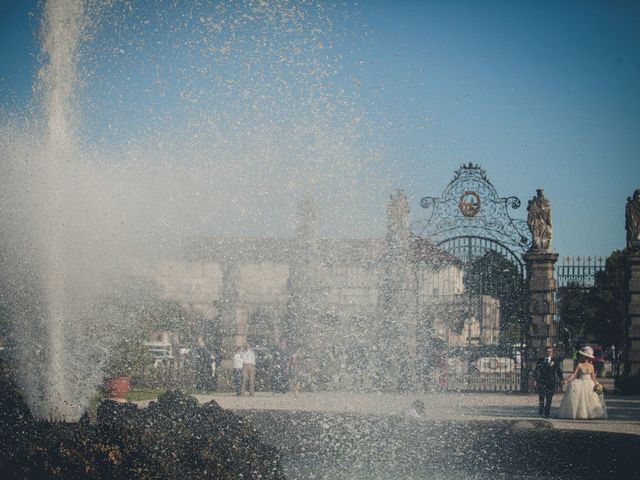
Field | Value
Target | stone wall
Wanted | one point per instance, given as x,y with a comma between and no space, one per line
251,290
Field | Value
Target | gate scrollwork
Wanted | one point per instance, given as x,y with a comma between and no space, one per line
470,207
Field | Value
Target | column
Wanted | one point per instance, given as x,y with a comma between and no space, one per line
542,306
631,375
630,381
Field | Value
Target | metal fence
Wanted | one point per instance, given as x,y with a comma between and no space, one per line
497,370
578,272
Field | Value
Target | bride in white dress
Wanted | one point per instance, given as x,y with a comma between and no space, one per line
580,401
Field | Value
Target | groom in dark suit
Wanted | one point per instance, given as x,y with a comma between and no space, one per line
546,377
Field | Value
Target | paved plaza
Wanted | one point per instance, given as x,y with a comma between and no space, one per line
624,411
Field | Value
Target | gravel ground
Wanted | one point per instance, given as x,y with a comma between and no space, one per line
355,446
464,436
624,411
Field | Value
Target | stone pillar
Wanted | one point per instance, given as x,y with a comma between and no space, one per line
542,285
305,306
542,306
227,313
231,321
397,302
630,381
631,374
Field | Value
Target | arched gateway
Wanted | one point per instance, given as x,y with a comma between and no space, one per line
472,222
470,218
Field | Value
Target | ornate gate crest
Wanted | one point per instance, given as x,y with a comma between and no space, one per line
470,218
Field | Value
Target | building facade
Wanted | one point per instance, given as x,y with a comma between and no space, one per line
355,312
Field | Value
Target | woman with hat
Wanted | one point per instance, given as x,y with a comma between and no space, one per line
581,400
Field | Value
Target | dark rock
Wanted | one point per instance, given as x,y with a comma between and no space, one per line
173,438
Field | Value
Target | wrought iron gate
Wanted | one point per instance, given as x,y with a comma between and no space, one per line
496,370
468,221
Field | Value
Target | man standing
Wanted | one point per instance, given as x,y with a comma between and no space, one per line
248,369
282,360
237,371
545,379
200,359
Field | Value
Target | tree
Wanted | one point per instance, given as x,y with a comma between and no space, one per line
129,358
494,275
609,289
577,310
150,312
597,313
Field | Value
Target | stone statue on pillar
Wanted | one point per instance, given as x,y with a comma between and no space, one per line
632,221
539,221
540,280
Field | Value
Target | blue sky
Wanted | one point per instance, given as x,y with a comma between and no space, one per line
541,94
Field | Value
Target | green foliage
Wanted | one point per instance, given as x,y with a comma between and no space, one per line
494,275
135,311
167,315
4,318
157,314
577,311
129,315
597,313
128,359
139,394
610,287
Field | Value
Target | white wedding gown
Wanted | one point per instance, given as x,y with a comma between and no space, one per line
580,402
